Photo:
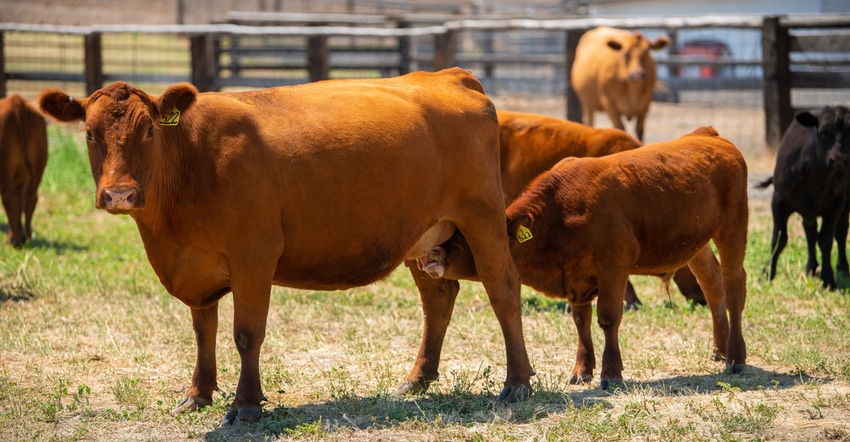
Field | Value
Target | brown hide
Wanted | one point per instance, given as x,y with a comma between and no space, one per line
649,211
23,157
614,71
316,186
531,144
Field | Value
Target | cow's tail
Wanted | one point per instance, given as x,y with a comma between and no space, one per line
765,183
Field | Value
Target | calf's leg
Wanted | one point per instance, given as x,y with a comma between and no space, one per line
438,300
585,358
609,313
841,240
706,269
11,198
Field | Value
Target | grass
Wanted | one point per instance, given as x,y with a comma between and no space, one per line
93,348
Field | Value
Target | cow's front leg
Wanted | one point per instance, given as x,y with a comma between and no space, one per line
205,323
438,300
609,311
585,358
250,310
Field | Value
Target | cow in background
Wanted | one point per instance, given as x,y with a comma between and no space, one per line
531,144
614,71
23,157
811,177
587,224
315,186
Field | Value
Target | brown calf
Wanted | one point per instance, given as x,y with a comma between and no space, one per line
23,157
582,228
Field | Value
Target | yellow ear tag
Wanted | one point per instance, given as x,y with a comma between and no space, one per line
170,118
523,234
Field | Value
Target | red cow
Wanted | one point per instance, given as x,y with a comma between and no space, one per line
614,72
23,157
531,144
582,228
316,186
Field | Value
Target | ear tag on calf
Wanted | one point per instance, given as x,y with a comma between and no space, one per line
170,118
523,234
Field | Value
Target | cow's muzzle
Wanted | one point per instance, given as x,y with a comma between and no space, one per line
121,199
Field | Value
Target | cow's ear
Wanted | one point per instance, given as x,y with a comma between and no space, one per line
61,106
660,43
806,119
180,96
615,45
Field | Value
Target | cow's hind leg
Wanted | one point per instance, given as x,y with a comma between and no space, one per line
706,269
731,245
485,234
13,205
810,227
438,299
609,313
779,237
841,240
205,323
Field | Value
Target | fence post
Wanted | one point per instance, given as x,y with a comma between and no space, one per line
2,68
94,63
574,112
318,58
404,45
201,49
776,64
444,50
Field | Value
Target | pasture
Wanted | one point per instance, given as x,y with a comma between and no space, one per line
93,348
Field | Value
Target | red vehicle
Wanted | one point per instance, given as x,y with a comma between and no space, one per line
704,50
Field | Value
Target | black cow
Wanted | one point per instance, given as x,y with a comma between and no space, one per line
811,178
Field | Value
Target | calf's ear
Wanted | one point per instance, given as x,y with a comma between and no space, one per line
519,225
61,106
180,96
806,119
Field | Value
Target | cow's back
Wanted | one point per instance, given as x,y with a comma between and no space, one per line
530,144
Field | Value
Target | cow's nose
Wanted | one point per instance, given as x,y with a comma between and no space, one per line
637,75
119,198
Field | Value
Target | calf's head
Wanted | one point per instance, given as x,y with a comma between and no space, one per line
635,56
123,127
831,127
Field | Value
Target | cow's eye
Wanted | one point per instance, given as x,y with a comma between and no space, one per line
89,136
150,132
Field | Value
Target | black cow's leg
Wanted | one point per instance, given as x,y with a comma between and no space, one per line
205,323
779,238
841,239
438,300
827,233
810,227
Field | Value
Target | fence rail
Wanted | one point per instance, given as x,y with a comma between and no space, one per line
285,50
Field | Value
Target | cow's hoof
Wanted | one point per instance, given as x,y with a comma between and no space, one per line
717,357
246,414
514,393
411,388
580,379
633,306
611,384
191,404
735,368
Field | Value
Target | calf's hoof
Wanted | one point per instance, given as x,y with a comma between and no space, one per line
578,379
411,388
611,384
514,393
191,404
735,368
245,414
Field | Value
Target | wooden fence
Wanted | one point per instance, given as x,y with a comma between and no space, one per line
238,55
